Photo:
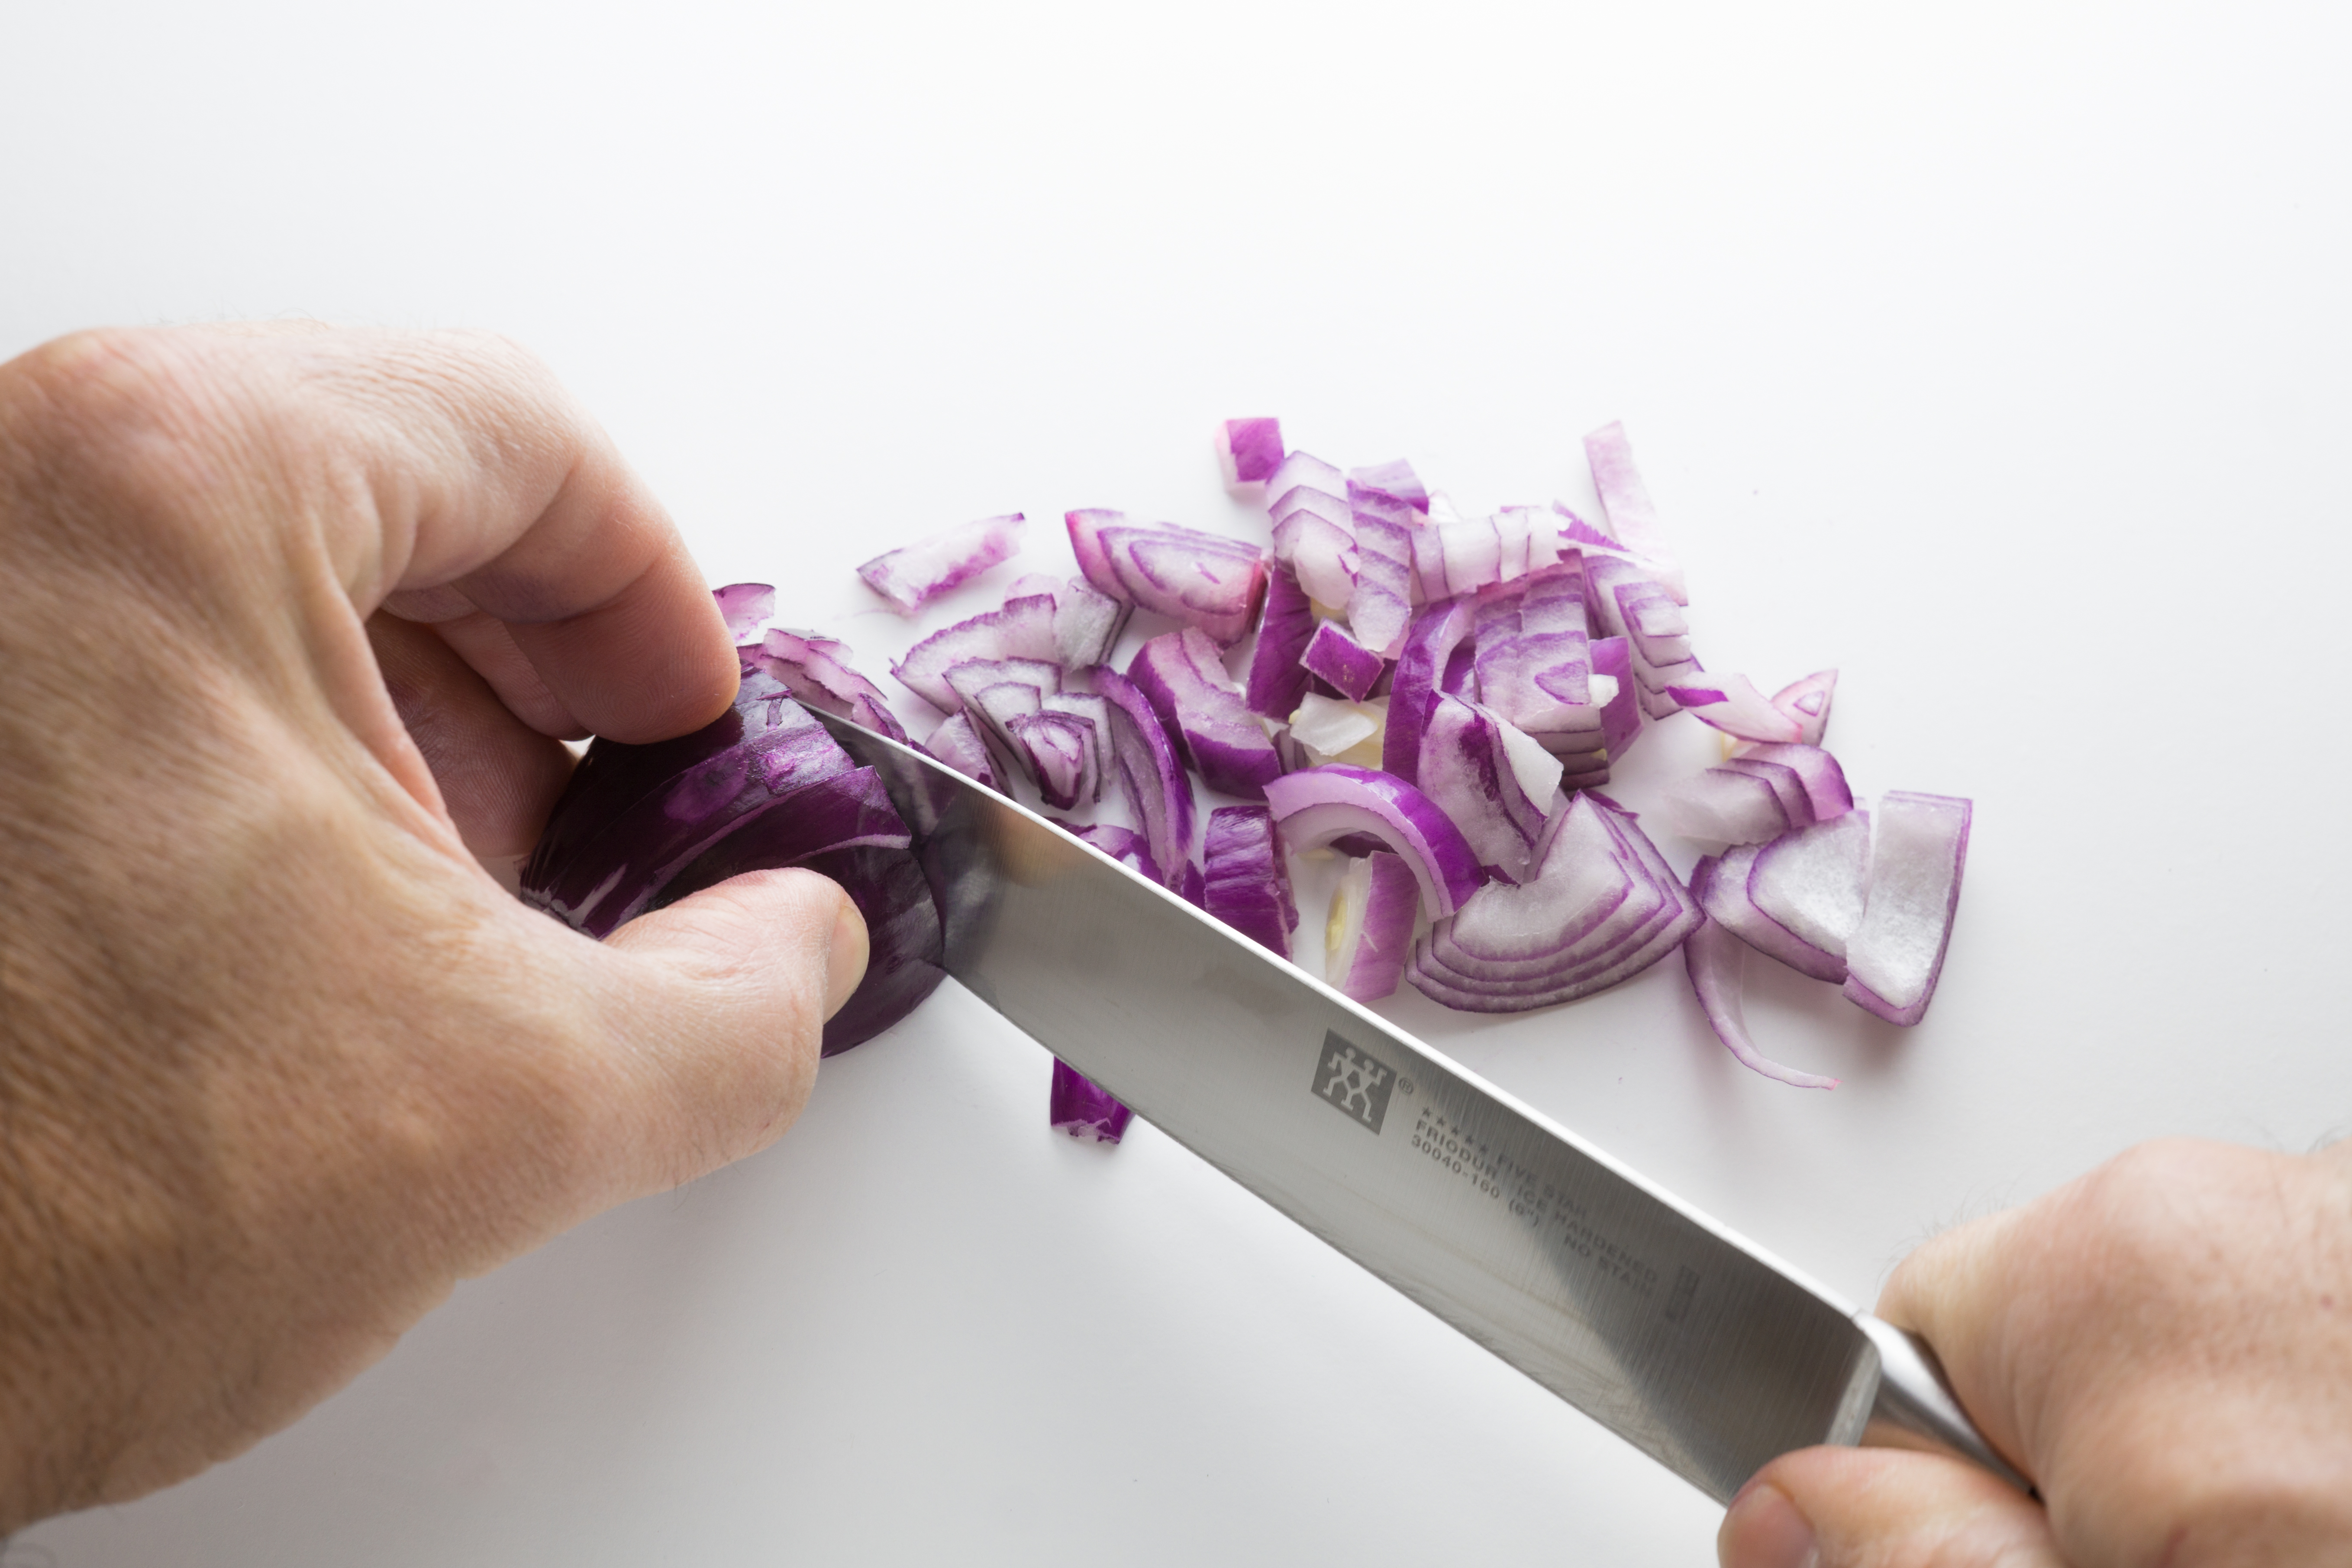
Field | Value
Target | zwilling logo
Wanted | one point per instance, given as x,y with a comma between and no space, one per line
1353,1082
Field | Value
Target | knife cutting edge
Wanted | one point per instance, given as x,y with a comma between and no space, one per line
1691,1344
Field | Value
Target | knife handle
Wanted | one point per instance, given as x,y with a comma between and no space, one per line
1916,1408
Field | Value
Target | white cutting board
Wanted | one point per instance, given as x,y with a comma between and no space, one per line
1994,358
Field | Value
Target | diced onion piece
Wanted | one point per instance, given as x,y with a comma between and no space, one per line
1369,936
1245,882
914,575
1024,628
1061,755
1727,807
1499,798
1083,1109
1817,773
959,745
1807,703
1184,676
1336,732
1395,482
1202,579
1086,624
817,671
1123,845
1248,451
1277,679
1338,659
1435,632
1733,705
1897,952
1717,962
1323,803
743,605
1156,783
1625,501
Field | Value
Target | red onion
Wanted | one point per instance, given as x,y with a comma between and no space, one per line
743,605
1248,450
1798,898
1369,937
1435,632
914,575
1245,882
1183,677
1201,579
1083,1109
1327,802
1155,781
817,672
1718,964
1350,668
1277,679
1625,500
1494,782
1897,952
1024,628
958,744
1733,705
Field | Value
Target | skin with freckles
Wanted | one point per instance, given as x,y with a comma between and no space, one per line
291,623
2164,1346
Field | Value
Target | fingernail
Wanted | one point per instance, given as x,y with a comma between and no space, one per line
846,959
1764,1529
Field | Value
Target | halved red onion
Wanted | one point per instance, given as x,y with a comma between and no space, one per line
1436,632
1897,952
959,745
1497,784
817,672
1245,882
1248,451
1625,501
1184,676
914,575
1732,704
1323,803
1340,659
1277,679
1202,579
1156,783
1798,899
1083,1109
1369,936
1024,628
743,605
1717,962
1626,910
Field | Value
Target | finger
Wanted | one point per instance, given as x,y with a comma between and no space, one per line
488,647
1882,1507
1959,1292
718,1005
497,777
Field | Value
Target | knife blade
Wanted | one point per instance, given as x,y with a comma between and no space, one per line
1690,1342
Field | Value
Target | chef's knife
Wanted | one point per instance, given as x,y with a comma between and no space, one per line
1691,1344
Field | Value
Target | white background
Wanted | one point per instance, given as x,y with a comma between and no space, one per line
1996,354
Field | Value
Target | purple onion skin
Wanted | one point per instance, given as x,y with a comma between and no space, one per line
1083,1109
1716,962
1247,884
1429,642
1277,682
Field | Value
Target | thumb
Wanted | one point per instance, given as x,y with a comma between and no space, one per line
715,1008
1882,1507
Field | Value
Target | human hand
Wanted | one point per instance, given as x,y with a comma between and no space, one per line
2164,1345
290,619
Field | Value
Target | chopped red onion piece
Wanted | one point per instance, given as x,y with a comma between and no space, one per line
1059,748
1733,705
1245,882
1248,451
959,745
1797,899
1338,659
914,575
996,691
1625,500
1717,962
1807,703
1379,607
1624,602
1336,732
1095,713
1494,782
1156,782
1435,632
1083,1109
1897,952
743,605
816,671
1123,845
1577,531
1817,773
1086,624
1184,676
1202,579
1304,470
1728,807
1024,628
1369,936
1621,712
1394,481
1323,803
1277,679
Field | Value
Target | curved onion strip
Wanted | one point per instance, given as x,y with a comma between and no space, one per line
1369,937
1155,781
914,575
958,744
1718,964
1897,952
1327,802
1728,807
1797,899
1817,773
1277,679
1201,579
1435,632
1024,628
1183,677
1245,882
1732,704
1625,502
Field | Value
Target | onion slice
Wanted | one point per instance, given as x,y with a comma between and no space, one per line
1717,962
1245,882
743,605
1083,1109
1350,668
1184,676
1024,628
1369,937
1625,502
1156,783
1327,802
914,575
817,672
1277,679
959,745
1798,899
1436,632
1897,952
1248,451
1202,579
